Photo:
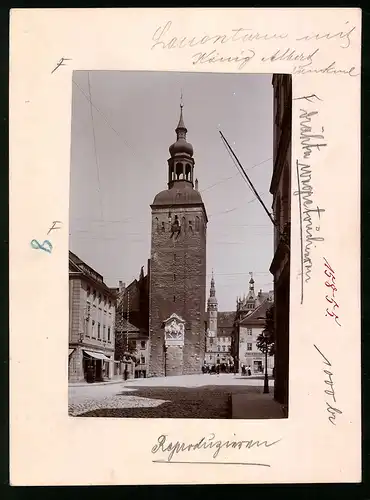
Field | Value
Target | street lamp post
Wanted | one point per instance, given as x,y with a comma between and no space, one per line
266,382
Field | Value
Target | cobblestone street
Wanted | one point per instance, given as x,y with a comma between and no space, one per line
191,396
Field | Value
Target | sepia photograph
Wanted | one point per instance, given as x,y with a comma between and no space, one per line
179,245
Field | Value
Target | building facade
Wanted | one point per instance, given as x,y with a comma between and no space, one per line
91,324
219,332
132,325
178,268
280,189
249,324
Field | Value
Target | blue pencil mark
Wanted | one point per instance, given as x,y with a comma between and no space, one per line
38,246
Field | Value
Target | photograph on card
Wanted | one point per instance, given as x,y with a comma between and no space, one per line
179,245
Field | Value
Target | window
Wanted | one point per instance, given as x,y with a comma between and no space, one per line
174,298
219,348
249,346
163,227
99,331
223,348
142,360
211,341
108,333
250,306
104,337
249,331
93,329
197,224
143,344
174,277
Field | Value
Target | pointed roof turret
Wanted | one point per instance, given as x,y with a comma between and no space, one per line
181,146
212,301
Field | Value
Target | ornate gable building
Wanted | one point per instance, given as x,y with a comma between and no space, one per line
249,323
178,268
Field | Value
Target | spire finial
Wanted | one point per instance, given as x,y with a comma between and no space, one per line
181,100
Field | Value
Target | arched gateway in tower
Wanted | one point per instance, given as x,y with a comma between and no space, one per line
178,268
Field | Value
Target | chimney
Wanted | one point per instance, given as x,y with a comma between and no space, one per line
196,184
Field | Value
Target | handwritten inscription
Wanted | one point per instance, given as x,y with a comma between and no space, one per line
165,38
46,245
60,63
333,411
330,284
176,447
310,216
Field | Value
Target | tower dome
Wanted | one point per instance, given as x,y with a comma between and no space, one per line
181,146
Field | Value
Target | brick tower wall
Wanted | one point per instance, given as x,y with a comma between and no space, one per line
178,285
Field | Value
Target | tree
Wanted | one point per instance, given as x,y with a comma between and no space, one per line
266,342
266,339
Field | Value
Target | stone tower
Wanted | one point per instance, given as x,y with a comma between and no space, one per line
178,268
212,309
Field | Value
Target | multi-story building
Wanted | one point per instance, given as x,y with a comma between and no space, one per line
132,321
280,266
219,331
249,324
91,324
138,345
178,268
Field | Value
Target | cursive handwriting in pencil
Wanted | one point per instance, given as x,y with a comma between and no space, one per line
330,284
309,216
333,412
211,442
61,63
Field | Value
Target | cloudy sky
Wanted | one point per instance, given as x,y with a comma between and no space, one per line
119,158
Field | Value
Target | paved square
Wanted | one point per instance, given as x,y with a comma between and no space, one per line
188,396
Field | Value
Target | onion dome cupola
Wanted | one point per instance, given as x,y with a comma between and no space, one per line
181,146
181,162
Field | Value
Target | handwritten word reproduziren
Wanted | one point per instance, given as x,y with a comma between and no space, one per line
210,442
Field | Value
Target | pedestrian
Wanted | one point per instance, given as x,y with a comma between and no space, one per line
243,369
249,371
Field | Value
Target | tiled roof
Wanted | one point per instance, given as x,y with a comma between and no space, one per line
125,325
259,312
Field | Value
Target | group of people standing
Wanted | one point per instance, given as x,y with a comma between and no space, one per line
246,370
218,368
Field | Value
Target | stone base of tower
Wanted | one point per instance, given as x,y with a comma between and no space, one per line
175,350
174,360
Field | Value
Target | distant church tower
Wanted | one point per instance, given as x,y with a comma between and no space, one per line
212,309
178,268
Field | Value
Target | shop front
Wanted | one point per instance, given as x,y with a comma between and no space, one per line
89,366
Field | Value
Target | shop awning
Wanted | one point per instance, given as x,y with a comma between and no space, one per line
70,351
96,355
